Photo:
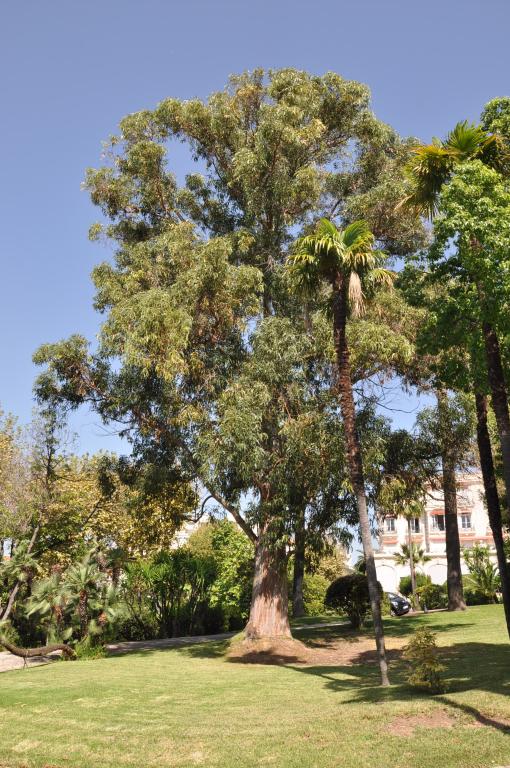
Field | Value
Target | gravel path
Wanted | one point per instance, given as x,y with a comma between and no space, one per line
9,662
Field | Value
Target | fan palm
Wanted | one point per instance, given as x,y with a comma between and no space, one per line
83,581
347,260
417,553
432,164
48,599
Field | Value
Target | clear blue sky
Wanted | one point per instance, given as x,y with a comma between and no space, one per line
71,70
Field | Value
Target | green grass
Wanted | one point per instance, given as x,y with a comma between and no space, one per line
187,707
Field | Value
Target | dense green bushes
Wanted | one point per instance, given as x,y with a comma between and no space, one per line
404,586
203,587
349,595
432,596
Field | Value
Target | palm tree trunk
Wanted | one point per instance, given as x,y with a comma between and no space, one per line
411,562
451,524
355,462
298,602
492,499
426,531
499,399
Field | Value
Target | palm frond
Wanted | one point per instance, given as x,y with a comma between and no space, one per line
357,235
466,140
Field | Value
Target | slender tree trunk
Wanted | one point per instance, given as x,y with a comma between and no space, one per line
451,524
269,611
426,531
355,462
83,612
411,562
492,499
16,588
499,399
298,602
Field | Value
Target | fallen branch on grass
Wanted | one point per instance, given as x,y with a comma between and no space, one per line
45,650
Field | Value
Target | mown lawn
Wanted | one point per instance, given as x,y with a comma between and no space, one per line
189,707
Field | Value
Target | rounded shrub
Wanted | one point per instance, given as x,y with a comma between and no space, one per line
404,586
349,595
432,596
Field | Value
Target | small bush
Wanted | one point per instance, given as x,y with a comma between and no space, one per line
385,605
424,666
315,586
87,650
404,586
349,594
432,596
139,628
473,596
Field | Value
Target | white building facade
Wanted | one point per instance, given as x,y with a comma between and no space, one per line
428,534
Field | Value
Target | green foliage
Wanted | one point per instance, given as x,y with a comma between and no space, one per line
432,596
403,557
88,650
425,668
404,585
483,580
233,555
315,587
349,594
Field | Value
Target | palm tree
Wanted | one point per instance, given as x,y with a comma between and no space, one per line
431,166
483,573
347,260
20,569
48,599
82,584
413,555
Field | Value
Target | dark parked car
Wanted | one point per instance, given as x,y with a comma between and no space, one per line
399,605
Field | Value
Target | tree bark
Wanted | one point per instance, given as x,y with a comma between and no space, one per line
29,653
499,399
269,611
451,524
355,462
298,601
426,531
411,563
492,499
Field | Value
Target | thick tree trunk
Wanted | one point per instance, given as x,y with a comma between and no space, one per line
269,611
298,601
499,399
355,462
451,524
492,499
16,588
411,563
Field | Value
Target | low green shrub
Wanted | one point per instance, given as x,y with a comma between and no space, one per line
315,586
404,586
349,595
88,650
424,666
385,605
474,596
432,596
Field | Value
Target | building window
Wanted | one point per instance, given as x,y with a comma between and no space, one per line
415,525
438,522
390,524
465,521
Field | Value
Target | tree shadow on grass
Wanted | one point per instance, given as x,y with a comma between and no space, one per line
469,667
